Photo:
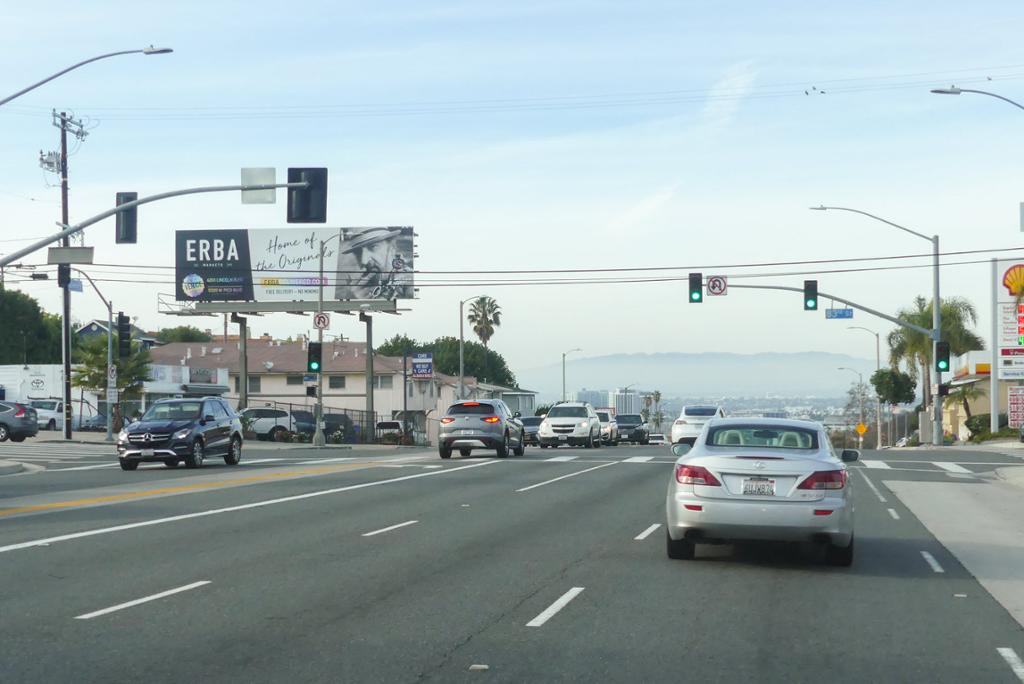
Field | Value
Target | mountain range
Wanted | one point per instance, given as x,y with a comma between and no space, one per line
707,374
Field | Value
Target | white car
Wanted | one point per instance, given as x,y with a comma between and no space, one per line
271,423
609,428
49,413
761,479
690,422
571,423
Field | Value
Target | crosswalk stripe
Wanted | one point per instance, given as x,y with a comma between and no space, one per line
951,467
639,459
561,459
881,465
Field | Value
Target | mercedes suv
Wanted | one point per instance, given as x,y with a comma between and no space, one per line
175,430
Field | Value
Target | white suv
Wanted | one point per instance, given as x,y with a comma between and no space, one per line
572,423
690,422
270,423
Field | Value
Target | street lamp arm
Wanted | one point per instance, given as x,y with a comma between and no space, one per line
98,293
957,91
877,218
82,63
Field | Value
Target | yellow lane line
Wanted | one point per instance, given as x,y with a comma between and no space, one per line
178,489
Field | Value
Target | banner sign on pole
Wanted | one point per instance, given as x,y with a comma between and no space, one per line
422,366
267,265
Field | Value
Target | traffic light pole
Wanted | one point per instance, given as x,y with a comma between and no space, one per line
318,433
65,324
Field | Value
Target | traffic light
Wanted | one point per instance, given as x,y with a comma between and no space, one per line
127,220
63,275
314,357
942,356
308,205
944,389
810,295
124,336
696,288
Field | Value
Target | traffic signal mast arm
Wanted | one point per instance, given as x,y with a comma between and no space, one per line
78,227
925,331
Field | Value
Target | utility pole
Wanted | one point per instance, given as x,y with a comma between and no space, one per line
59,163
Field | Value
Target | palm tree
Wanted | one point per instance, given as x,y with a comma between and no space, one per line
485,316
964,394
914,349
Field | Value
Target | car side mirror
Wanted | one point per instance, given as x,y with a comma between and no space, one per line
517,414
850,455
681,449
208,419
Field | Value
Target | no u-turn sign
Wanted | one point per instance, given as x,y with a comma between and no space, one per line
717,285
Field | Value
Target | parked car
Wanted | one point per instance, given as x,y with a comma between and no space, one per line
632,428
96,423
571,423
189,430
49,413
303,422
273,423
761,479
469,425
609,428
657,438
901,442
17,421
531,424
690,422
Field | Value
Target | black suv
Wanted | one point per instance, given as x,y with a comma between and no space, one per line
632,428
17,421
189,430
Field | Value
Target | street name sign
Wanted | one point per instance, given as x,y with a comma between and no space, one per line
838,313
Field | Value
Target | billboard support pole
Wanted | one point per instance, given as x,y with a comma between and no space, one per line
369,376
405,395
993,390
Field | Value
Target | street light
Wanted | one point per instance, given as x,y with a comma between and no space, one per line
462,343
936,308
144,51
860,378
111,383
878,367
563,368
953,90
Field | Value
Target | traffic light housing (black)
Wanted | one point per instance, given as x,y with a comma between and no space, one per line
810,295
308,205
314,357
124,336
696,288
942,357
63,275
944,389
127,220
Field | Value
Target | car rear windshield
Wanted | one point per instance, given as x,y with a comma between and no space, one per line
700,410
629,418
472,408
603,416
532,421
179,410
763,436
567,412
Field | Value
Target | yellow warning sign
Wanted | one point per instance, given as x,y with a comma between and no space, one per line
861,428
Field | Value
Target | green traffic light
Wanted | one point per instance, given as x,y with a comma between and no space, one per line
314,366
812,303
695,296
943,366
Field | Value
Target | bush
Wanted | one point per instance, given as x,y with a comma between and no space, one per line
1004,433
979,424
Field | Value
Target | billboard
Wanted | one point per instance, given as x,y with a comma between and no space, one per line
422,366
270,265
1010,285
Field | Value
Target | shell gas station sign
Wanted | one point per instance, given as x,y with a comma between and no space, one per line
1011,323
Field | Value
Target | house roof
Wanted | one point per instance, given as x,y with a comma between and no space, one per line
137,332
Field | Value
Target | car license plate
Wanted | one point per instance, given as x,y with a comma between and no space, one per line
465,432
563,438
147,452
759,487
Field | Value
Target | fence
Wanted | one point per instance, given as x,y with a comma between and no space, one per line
285,421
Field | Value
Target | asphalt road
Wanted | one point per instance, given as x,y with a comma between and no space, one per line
397,566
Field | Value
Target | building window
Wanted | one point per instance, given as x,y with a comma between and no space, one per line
254,383
383,382
294,380
336,381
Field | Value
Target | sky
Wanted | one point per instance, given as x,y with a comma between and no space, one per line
579,134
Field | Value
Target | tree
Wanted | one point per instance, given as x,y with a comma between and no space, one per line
893,387
477,360
658,415
183,333
131,372
28,334
914,349
397,346
485,316
964,394
543,409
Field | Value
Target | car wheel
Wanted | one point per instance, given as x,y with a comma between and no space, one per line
52,425
171,462
443,452
543,446
521,449
17,438
234,454
465,452
4,433
503,447
590,441
128,464
679,549
195,459
597,442
840,556
277,434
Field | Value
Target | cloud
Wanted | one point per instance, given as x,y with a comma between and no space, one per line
727,94
642,213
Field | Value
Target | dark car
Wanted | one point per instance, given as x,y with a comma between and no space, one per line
97,423
531,425
189,430
632,428
17,421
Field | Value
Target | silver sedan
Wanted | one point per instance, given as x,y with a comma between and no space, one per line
761,479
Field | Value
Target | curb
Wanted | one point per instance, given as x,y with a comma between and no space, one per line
1012,476
10,467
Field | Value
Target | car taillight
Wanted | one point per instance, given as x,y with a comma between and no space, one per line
20,413
446,420
491,419
695,475
471,403
825,479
